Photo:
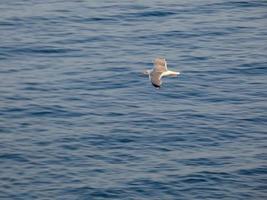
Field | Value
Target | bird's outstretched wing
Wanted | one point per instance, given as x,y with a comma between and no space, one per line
160,65
155,78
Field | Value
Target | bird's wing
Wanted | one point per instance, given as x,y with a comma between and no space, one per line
160,65
155,78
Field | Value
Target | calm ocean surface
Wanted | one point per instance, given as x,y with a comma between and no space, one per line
78,120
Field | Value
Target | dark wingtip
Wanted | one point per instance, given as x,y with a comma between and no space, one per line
156,86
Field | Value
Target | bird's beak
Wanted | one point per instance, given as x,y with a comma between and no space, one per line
176,74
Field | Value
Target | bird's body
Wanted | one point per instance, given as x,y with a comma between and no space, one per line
160,69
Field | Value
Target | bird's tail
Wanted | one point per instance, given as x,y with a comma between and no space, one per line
146,72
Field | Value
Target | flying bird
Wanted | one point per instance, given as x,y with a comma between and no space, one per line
160,69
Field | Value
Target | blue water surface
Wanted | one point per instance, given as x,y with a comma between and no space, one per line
78,120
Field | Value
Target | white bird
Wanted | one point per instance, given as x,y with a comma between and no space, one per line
160,69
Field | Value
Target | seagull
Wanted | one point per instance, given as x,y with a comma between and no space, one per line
160,69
